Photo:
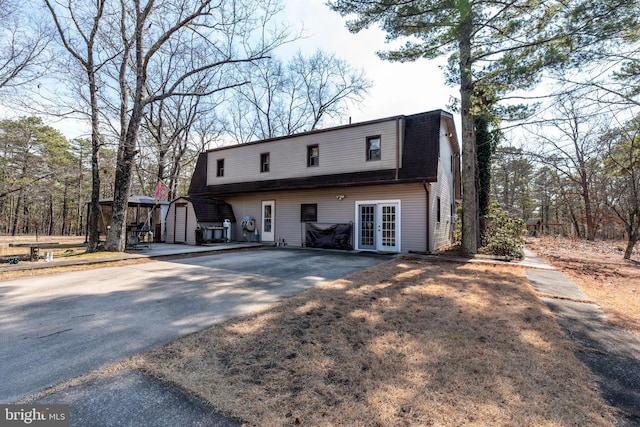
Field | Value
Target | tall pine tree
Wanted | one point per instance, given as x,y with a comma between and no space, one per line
500,46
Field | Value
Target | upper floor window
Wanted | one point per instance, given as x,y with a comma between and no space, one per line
220,167
373,148
313,155
264,162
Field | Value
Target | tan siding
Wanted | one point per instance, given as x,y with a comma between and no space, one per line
331,210
341,150
444,189
192,223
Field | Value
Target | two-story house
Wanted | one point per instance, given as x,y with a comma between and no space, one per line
386,185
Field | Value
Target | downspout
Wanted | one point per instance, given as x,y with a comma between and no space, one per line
428,239
397,147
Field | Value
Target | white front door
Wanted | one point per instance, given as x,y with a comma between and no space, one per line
378,226
268,221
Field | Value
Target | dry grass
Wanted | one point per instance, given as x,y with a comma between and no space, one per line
67,253
6,250
408,342
600,270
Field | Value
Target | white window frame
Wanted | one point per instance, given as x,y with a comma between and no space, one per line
356,239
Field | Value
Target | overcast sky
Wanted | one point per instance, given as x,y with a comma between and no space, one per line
399,88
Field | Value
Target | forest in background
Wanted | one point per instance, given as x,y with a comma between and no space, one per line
553,106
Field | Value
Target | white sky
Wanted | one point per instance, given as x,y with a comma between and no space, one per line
399,88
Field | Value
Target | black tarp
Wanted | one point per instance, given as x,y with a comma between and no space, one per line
328,236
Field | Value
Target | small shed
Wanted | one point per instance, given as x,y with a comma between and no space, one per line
534,227
194,220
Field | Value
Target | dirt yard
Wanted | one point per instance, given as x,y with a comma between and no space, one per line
409,342
600,270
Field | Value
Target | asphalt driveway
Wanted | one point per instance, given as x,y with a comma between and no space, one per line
57,327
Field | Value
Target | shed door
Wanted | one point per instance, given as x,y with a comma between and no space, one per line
180,224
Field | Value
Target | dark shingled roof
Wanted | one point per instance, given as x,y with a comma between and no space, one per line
211,210
421,146
419,163
198,183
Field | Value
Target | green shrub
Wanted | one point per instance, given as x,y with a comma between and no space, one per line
504,234
457,233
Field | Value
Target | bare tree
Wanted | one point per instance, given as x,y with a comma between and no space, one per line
170,121
569,143
623,162
216,35
23,45
259,108
78,26
283,99
329,84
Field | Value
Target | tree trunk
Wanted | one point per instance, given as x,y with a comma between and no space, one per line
50,228
633,230
116,238
89,67
588,210
26,221
93,233
631,243
469,196
66,226
16,214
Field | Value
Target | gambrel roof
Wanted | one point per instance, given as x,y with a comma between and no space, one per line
419,160
211,210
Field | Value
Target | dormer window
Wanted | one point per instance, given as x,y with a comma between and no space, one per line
220,167
264,162
374,151
313,155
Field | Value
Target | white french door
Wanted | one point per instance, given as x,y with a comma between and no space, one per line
268,221
378,226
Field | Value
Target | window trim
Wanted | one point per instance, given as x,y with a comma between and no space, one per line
308,212
368,149
309,157
219,169
265,166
